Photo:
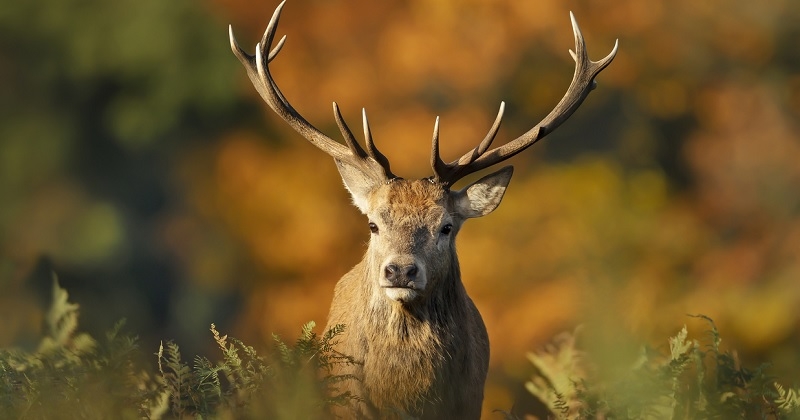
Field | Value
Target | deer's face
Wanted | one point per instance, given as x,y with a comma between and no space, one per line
413,227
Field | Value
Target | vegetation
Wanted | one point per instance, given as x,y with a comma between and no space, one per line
695,380
72,375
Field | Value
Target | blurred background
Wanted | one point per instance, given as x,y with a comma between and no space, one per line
138,163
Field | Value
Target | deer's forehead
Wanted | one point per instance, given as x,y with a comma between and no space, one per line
417,202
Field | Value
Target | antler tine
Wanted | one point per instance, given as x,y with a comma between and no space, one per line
487,141
349,138
447,170
583,81
269,32
258,71
439,167
373,151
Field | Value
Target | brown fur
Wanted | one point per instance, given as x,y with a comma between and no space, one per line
425,359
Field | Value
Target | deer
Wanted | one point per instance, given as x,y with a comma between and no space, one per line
418,342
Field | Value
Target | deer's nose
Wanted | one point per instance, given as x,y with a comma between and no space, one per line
400,276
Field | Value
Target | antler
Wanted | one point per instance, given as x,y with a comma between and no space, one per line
258,70
478,158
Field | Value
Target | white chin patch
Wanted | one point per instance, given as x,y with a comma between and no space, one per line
399,294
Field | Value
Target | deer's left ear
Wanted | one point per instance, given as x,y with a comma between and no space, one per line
484,195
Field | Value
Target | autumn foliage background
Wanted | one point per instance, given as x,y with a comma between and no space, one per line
138,163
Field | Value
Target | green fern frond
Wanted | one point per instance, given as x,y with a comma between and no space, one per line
286,354
61,320
788,400
691,381
62,317
174,376
307,331
678,346
207,374
713,332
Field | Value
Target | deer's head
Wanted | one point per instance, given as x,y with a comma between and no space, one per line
413,226
414,222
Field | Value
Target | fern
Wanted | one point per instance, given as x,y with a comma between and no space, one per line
693,381
558,366
70,368
244,384
788,400
175,378
71,375
310,363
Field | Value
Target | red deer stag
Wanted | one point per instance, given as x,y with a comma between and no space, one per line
420,343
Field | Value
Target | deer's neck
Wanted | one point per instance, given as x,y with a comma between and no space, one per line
409,348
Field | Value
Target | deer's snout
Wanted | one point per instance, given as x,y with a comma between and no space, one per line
403,279
400,275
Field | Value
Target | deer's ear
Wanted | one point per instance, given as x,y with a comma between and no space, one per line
484,195
360,181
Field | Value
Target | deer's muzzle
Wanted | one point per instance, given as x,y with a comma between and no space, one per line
403,281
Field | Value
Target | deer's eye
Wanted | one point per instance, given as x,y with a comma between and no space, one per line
373,227
446,229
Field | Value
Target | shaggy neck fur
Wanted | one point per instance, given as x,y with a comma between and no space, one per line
409,351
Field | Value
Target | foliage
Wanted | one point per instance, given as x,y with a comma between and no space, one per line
696,380
71,375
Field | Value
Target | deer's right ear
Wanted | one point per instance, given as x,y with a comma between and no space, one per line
361,182
484,195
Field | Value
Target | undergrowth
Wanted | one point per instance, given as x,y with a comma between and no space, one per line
696,380
74,376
